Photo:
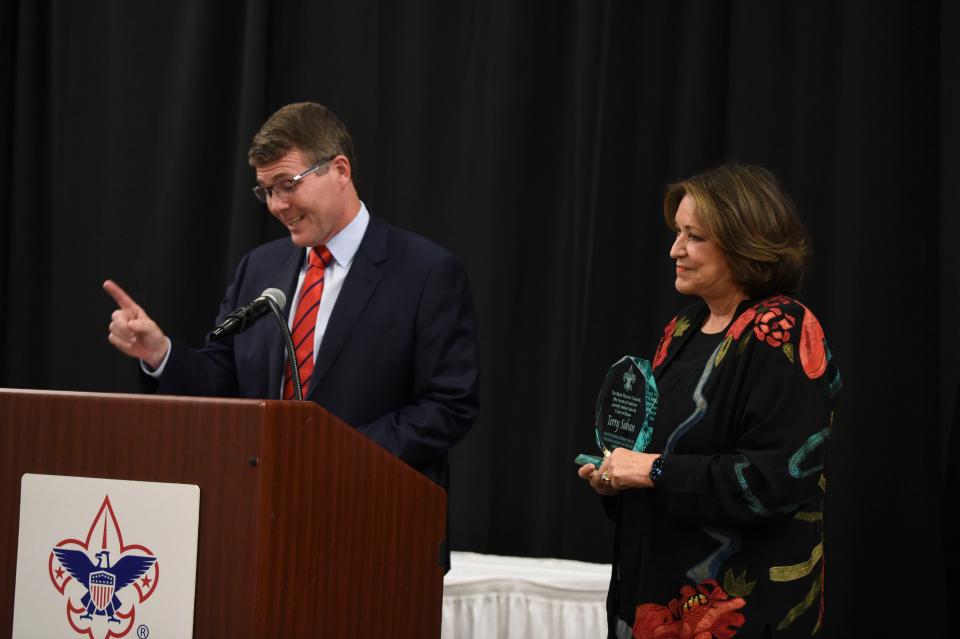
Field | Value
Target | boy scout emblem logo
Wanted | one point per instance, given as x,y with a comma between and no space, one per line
102,577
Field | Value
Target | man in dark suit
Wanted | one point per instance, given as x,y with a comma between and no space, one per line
390,338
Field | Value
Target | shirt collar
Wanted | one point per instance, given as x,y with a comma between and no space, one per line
345,244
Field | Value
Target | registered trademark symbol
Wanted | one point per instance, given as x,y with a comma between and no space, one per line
143,632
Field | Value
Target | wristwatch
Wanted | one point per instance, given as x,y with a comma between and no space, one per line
656,470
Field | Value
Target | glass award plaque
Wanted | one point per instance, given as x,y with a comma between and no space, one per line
626,408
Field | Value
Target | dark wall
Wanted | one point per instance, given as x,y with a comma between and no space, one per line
534,139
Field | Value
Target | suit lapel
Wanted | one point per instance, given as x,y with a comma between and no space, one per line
276,349
363,278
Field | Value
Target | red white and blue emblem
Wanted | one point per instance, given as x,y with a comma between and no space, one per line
101,584
94,575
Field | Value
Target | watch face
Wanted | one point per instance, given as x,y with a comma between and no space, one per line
657,469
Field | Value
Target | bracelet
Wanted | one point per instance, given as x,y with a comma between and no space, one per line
656,470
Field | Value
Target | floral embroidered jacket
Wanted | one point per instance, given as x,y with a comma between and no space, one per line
729,541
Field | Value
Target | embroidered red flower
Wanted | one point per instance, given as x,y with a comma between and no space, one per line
813,355
704,612
778,300
664,343
773,326
736,329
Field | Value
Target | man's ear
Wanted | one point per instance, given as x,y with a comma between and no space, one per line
340,165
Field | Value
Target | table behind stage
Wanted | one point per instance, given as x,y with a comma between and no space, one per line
486,596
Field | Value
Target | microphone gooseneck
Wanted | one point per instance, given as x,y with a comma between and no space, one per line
291,350
272,300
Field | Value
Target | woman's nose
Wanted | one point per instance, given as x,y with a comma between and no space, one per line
678,249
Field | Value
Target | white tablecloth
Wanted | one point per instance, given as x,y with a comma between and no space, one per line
492,597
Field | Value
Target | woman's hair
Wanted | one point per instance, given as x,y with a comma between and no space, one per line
746,212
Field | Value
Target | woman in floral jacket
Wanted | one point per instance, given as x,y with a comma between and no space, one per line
719,521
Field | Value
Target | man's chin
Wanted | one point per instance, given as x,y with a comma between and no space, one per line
299,240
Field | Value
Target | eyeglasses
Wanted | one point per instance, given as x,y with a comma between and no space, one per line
284,188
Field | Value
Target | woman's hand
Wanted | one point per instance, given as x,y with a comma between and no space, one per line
626,469
598,483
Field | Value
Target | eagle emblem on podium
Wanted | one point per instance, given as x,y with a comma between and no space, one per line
103,577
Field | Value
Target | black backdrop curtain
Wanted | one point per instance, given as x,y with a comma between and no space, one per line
534,139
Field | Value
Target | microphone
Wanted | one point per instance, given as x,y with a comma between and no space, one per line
242,318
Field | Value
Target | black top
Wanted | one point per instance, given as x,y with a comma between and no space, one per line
677,383
730,540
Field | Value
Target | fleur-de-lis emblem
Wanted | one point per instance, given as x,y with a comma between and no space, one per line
97,595
628,379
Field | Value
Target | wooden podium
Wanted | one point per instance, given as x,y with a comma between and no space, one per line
307,528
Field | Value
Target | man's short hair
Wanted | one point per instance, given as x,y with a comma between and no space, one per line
747,213
307,126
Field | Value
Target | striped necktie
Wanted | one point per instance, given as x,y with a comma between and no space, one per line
305,320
